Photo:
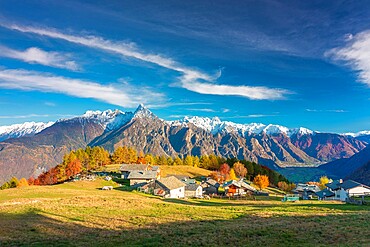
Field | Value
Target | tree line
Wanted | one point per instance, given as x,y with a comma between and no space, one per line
95,158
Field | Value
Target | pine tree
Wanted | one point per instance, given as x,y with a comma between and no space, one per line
177,161
196,161
170,161
188,161
13,182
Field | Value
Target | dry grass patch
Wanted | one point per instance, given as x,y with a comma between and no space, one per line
79,214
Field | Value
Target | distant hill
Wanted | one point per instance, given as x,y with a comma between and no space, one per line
345,167
272,145
362,174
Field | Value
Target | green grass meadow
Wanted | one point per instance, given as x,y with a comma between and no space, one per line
80,214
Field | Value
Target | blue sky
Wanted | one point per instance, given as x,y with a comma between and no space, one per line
294,63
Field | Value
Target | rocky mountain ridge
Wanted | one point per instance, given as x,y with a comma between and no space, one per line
271,145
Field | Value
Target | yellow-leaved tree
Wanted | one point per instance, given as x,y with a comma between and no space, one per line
22,183
323,181
232,175
261,181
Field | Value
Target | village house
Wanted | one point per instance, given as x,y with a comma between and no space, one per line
141,177
343,190
193,190
210,186
126,169
169,187
325,194
184,178
306,191
240,187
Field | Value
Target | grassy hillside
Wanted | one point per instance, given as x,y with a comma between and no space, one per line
170,170
79,214
184,170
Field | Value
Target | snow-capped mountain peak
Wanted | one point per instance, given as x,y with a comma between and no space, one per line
24,129
109,119
357,134
143,112
215,125
302,131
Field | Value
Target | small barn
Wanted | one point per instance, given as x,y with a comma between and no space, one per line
210,186
170,187
325,194
193,191
306,191
141,177
240,187
126,169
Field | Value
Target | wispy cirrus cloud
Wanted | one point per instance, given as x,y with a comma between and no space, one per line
254,93
356,53
252,116
34,116
201,109
334,110
113,94
36,55
190,78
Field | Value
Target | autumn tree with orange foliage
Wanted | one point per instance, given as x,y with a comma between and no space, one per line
261,181
216,176
240,170
141,158
31,181
73,168
283,186
22,183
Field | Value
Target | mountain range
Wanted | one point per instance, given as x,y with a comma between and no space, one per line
37,147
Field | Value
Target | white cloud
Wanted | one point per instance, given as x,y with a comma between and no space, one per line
356,53
126,96
36,55
252,116
201,109
335,110
191,79
254,93
34,116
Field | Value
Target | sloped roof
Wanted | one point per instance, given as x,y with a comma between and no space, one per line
142,175
213,183
171,183
240,184
349,184
155,168
324,193
334,185
133,167
192,187
307,187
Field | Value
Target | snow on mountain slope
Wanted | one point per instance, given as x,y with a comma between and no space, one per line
360,133
24,129
215,125
111,120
